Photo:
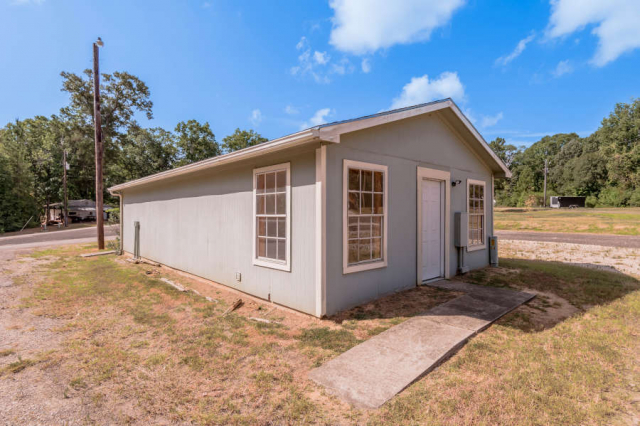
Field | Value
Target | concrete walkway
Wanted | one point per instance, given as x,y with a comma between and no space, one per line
373,372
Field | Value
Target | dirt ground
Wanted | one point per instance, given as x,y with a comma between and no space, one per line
625,260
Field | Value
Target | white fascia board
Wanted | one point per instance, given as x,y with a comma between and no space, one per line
275,145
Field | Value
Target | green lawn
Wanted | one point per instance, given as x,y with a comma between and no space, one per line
619,221
138,351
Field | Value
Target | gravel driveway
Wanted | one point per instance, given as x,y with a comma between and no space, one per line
606,240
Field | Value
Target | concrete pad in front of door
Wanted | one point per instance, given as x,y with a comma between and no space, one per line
373,372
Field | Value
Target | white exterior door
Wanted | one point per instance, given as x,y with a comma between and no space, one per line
432,229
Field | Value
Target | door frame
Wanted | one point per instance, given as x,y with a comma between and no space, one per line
445,177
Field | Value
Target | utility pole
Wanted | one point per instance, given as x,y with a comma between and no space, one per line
546,170
98,135
64,185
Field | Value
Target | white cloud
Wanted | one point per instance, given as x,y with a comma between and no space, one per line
344,66
522,44
320,117
291,110
302,43
321,58
488,120
366,65
364,26
421,89
563,67
308,63
256,117
616,25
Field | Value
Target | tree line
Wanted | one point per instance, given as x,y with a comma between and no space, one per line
604,166
31,150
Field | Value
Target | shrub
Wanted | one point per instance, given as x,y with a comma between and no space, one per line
614,197
591,201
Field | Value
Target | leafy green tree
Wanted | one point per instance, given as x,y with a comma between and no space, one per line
146,151
122,96
504,151
195,142
17,201
241,139
619,141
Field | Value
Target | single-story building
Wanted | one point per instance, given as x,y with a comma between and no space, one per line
329,217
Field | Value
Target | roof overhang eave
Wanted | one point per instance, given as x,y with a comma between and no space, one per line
296,139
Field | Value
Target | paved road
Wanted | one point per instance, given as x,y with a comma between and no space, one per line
43,239
625,241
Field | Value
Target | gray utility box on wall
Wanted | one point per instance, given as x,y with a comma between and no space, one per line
461,234
493,251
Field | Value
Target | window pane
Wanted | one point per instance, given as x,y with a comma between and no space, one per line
272,227
281,181
470,205
378,182
272,248
367,180
354,179
376,227
364,250
282,227
354,203
260,204
271,203
377,204
262,247
353,227
260,183
367,203
377,248
479,191
262,227
271,182
353,251
472,191
281,203
365,227
282,249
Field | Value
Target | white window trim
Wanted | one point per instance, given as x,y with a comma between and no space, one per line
273,264
346,268
484,212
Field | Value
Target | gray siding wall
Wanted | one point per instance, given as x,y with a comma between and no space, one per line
403,146
203,224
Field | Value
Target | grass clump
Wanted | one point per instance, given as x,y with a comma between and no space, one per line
18,366
334,340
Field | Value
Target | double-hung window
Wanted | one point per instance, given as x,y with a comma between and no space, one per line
272,217
476,200
364,216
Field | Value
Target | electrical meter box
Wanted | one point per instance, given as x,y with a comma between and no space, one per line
461,234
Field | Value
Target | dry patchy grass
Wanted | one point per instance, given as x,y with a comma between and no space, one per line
619,221
138,351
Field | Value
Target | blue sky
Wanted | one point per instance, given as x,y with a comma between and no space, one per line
520,70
